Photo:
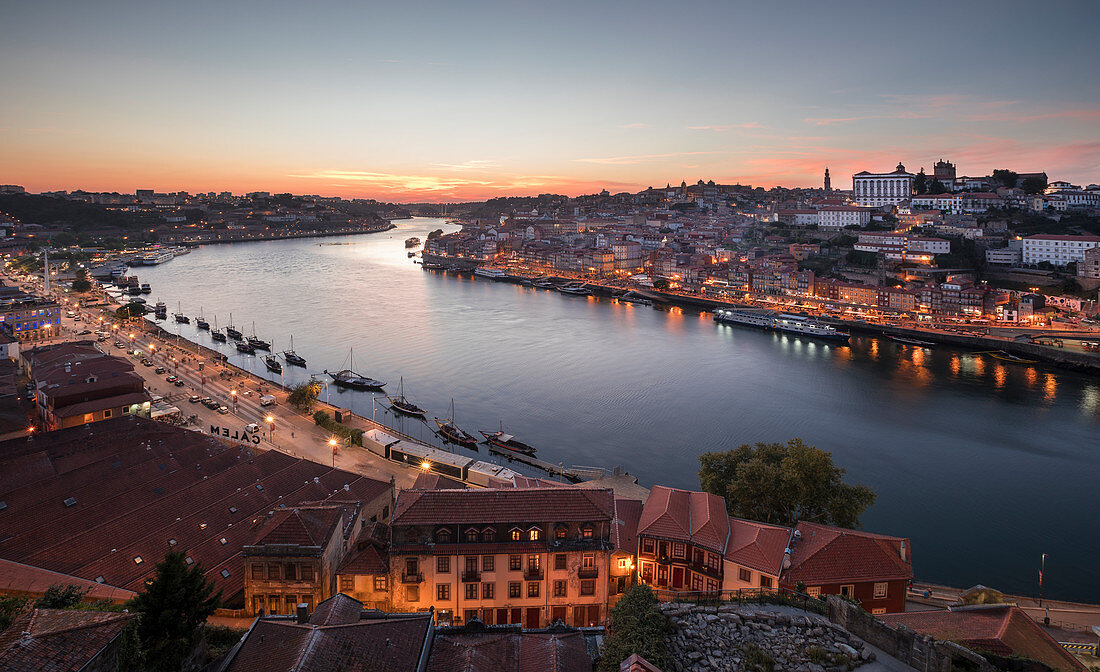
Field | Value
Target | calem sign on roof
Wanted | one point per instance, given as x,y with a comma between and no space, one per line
242,435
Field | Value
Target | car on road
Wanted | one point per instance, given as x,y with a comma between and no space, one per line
120,344
252,428
159,370
171,379
178,383
210,403
224,410
195,399
147,362
83,332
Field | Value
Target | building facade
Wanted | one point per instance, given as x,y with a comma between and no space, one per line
879,189
682,538
1057,250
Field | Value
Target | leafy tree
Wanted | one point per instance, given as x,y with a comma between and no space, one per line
784,483
1034,185
170,611
660,283
637,626
82,283
304,395
61,597
1005,177
130,310
10,607
936,187
920,182
435,234
64,239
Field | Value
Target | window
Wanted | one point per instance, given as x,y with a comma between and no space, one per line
560,588
225,573
258,571
696,582
560,561
443,536
443,592
624,563
410,537
471,535
488,534
138,560
533,588
647,546
379,583
534,534
487,562
588,560
814,591
588,587
517,534
106,413
744,575
307,572
848,590
877,612
765,581
698,557
514,588
292,572
515,563
471,591
412,593
880,590
560,533
662,549
443,564
274,572
347,584
679,551
587,531
487,591
533,562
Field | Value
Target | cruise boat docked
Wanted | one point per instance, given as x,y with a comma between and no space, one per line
791,324
490,273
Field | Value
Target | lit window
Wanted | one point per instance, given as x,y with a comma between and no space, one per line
880,590
534,534
138,560
516,535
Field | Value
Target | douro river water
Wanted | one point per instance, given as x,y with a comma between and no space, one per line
984,464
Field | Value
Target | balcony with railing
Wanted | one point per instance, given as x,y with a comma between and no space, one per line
412,577
471,576
588,573
533,573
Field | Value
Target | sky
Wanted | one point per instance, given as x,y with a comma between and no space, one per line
466,100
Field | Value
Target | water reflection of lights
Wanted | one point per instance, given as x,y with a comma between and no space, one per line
1000,375
979,366
1050,387
955,365
1032,376
874,349
918,356
1090,399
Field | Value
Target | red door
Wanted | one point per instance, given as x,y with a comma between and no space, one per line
559,614
502,617
532,617
517,616
677,577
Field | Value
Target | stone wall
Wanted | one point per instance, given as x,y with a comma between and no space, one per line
921,652
731,637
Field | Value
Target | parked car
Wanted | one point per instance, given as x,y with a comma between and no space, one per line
159,370
178,383
195,399
83,332
147,362
171,379
224,410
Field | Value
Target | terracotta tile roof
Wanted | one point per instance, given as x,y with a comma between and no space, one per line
337,610
758,546
1004,630
16,578
301,526
370,555
827,554
433,481
509,650
699,518
116,401
59,639
624,532
382,645
442,507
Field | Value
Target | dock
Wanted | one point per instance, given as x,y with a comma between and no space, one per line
574,474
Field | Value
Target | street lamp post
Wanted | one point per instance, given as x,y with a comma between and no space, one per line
233,395
271,427
332,444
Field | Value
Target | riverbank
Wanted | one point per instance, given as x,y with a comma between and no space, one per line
257,236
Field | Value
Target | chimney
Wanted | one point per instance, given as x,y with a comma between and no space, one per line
903,551
303,613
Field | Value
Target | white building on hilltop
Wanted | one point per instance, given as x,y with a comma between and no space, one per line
878,189
1058,250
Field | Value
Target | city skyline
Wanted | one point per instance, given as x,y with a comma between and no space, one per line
433,102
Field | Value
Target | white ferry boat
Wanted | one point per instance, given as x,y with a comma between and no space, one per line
791,324
154,258
490,273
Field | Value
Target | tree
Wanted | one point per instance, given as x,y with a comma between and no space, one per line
130,310
170,611
1005,177
435,234
660,283
1034,184
920,182
61,597
304,394
783,484
82,283
10,608
936,187
637,626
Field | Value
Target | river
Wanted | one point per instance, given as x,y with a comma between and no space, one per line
985,465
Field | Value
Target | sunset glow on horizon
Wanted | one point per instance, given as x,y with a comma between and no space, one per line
436,101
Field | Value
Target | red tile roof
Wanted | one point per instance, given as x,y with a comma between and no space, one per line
58,640
758,546
433,481
509,651
520,505
301,526
825,555
369,555
624,532
1003,630
683,515
16,578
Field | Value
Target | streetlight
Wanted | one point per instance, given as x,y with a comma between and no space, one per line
332,444
271,426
